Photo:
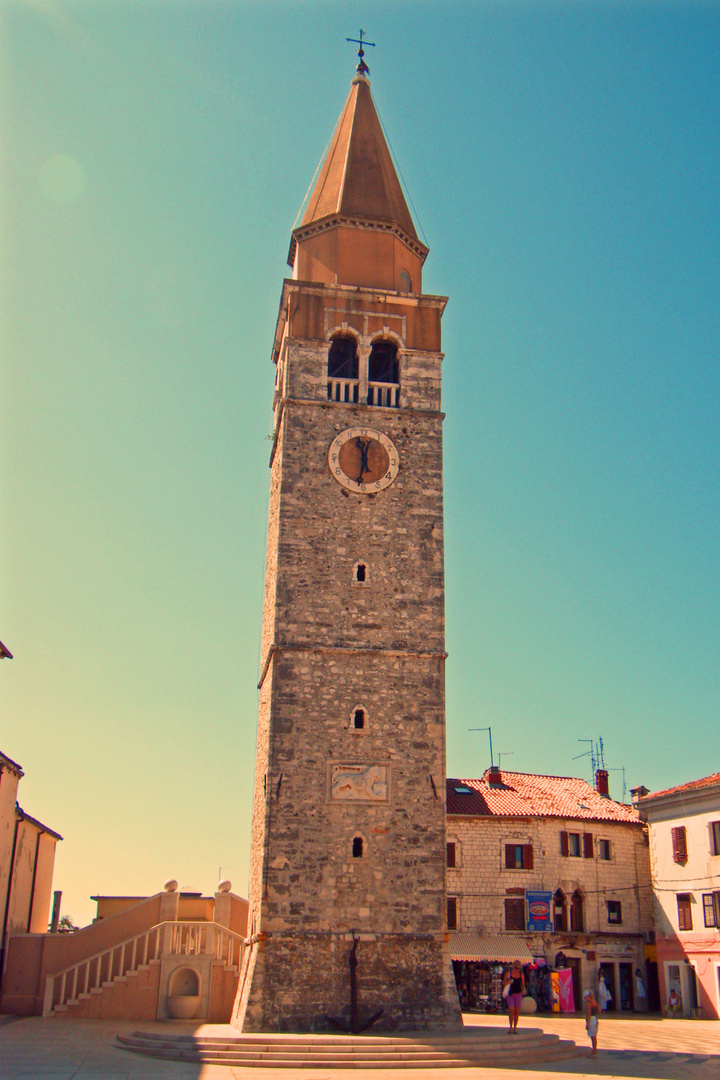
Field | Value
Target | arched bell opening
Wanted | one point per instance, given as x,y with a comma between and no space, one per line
383,373
343,369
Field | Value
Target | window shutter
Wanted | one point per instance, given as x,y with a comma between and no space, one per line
587,845
450,853
685,919
452,913
679,844
509,856
564,846
709,909
527,857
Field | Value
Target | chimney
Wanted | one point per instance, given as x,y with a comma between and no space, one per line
602,784
494,776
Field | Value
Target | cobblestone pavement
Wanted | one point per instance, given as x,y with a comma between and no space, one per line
646,1048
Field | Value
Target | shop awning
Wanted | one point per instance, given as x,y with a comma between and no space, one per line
498,947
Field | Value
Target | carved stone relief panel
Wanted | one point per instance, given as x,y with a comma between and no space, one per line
359,783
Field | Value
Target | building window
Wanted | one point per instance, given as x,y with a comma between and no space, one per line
570,844
358,847
614,908
343,358
359,718
684,905
452,913
383,374
343,369
715,837
560,911
514,914
604,850
450,853
709,909
360,571
518,857
679,844
576,912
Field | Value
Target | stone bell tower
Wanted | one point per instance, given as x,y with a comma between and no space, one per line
348,847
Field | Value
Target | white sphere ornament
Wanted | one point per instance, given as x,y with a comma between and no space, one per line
170,885
224,886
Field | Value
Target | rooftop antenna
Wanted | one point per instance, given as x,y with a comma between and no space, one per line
489,731
622,770
591,753
362,68
502,754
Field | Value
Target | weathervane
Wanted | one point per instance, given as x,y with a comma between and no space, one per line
362,68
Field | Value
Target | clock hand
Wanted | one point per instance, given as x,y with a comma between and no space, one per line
363,446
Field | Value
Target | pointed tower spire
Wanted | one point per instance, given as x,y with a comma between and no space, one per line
357,229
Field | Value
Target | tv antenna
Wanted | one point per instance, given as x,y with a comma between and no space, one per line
596,753
489,731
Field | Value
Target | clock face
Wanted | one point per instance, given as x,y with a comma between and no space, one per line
363,459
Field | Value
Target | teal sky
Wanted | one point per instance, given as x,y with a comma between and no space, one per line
563,164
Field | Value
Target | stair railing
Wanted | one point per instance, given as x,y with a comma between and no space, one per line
169,938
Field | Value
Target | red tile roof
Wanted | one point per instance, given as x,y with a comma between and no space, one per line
526,795
692,785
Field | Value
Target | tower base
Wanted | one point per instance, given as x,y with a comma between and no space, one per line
302,983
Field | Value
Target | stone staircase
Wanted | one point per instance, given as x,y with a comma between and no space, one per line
473,1047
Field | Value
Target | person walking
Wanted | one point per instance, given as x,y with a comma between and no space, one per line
592,1012
513,990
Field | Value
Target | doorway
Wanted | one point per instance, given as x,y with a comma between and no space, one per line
627,997
607,973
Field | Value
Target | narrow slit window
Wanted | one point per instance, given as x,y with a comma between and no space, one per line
358,847
359,719
360,572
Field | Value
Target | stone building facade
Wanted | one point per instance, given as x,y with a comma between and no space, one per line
347,873
513,835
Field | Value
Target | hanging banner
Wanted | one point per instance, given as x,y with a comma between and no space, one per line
539,911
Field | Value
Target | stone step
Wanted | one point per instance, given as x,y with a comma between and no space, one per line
485,1048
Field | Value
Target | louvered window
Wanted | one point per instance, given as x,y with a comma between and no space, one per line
452,913
684,905
709,908
514,914
679,844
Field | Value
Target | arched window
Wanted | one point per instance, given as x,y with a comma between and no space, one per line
383,377
576,911
358,847
343,369
359,718
383,365
559,910
343,358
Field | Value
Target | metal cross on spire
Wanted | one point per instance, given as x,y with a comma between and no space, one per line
362,68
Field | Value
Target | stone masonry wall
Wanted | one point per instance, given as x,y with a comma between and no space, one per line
332,644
